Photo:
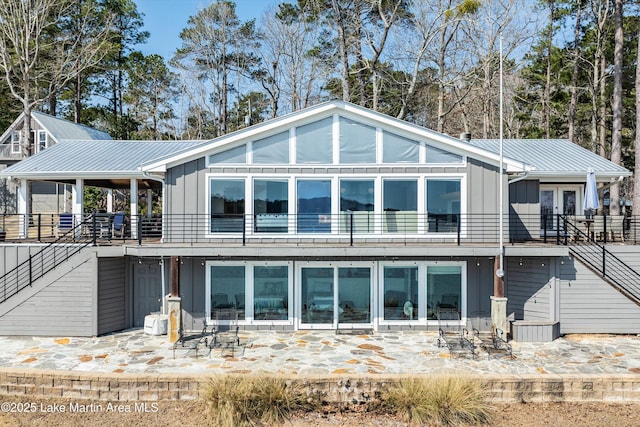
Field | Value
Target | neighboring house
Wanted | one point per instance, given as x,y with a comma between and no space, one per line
332,217
47,130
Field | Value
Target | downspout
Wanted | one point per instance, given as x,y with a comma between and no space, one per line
519,178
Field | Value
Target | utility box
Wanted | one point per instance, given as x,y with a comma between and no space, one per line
156,324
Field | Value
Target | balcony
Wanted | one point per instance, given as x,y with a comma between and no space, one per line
346,228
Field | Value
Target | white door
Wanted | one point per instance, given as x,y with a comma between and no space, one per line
556,200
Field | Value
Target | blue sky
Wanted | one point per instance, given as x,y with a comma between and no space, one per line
164,19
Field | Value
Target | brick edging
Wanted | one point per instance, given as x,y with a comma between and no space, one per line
334,388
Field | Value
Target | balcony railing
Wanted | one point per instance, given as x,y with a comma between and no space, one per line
346,227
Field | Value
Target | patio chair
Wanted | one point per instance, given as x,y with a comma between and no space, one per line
225,332
119,225
615,227
192,342
65,224
453,335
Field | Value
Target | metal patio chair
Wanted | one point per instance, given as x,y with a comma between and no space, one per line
225,333
492,340
453,335
192,342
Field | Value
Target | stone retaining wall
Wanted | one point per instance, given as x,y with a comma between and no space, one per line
159,387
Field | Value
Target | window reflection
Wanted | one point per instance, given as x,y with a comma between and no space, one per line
271,292
227,289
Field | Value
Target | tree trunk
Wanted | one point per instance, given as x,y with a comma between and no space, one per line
547,85
342,50
574,77
636,174
77,98
616,137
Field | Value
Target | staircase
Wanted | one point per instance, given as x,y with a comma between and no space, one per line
43,261
598,259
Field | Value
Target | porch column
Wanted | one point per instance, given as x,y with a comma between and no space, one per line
23,208
149,202
77,203
109,201
134,208
498,301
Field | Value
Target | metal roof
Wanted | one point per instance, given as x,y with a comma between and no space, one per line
61,129
552,156
95,156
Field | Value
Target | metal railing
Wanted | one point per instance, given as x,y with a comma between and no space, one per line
584,246
43,261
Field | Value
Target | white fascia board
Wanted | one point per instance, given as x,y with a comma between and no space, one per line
13,125
606,177
77,174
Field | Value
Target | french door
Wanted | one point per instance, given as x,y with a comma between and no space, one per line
335,296
556,200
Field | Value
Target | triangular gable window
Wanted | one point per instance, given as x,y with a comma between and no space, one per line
437,155
272,150
237,155
397,149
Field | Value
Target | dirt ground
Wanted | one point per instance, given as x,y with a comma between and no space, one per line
49,413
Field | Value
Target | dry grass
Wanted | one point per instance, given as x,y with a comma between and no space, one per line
254,400
446,400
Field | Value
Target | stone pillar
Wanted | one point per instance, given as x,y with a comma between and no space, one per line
498,301
174,307
23,208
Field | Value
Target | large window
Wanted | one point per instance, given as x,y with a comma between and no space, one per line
227,205
15,142
271,206
227,290
314,206
400,206
437,155
443,205
271,292
400,293
314,142
356,205
444,289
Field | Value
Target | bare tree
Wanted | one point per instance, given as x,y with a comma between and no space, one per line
616,137
28,59
636,174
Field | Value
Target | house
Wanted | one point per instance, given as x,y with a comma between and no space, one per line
333,217
47,130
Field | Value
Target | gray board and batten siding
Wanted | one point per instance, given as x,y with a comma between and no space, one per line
187,183
112,295
62,303
529,288
524,209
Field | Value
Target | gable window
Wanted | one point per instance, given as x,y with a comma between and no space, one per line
227,205
314,206
15,142
42,140
237,155
271,150
271,205
439,156
397,149
443,205
400,205
314,142
357,142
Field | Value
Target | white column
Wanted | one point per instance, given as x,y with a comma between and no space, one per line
134,208
23,208
77,203
109,200
149,202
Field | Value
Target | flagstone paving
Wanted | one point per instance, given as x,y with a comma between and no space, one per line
319,353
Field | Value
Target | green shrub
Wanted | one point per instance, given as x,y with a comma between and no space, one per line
446,400
254,400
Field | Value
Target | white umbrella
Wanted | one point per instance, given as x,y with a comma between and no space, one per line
591,202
